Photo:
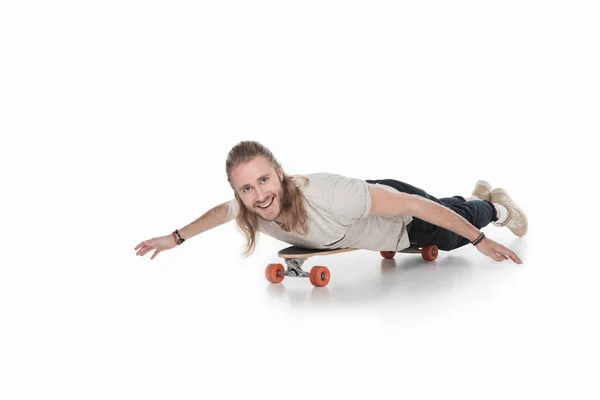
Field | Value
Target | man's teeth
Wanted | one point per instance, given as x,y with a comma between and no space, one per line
268,204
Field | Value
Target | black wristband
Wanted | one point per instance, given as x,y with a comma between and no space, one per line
479,239
180,239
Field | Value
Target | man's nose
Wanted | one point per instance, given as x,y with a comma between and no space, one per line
260,194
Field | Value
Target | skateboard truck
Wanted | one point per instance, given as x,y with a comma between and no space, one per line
294,267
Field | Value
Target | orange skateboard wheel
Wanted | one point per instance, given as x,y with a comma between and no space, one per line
274,273
429,253
319,276
387,254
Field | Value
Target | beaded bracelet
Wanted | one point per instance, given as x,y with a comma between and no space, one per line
478,240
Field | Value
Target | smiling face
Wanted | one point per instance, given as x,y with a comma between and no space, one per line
258,184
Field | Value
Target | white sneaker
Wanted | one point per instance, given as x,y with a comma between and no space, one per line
516,220
483,191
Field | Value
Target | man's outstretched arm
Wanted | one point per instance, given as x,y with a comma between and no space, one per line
214,217
387,203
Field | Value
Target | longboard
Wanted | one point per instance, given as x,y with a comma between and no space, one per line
295,256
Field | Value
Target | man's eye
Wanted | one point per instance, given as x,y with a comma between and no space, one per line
244,189
265,178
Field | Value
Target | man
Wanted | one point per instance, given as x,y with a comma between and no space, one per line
326,210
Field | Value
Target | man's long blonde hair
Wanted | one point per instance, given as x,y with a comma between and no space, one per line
293,215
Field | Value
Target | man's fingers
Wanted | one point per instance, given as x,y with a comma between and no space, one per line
500,253
496,256
155,254
516,259
143,244
145,250
149,242
507,253
513,256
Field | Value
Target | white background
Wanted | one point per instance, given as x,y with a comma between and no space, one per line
116,118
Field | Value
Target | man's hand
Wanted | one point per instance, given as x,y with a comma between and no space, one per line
158,244
498,252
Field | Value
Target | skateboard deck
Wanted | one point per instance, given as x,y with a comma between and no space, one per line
295,256
299,252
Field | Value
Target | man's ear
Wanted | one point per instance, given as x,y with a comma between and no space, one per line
280,173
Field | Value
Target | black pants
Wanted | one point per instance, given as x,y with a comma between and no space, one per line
422,233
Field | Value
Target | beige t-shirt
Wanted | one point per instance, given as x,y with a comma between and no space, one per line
338,208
